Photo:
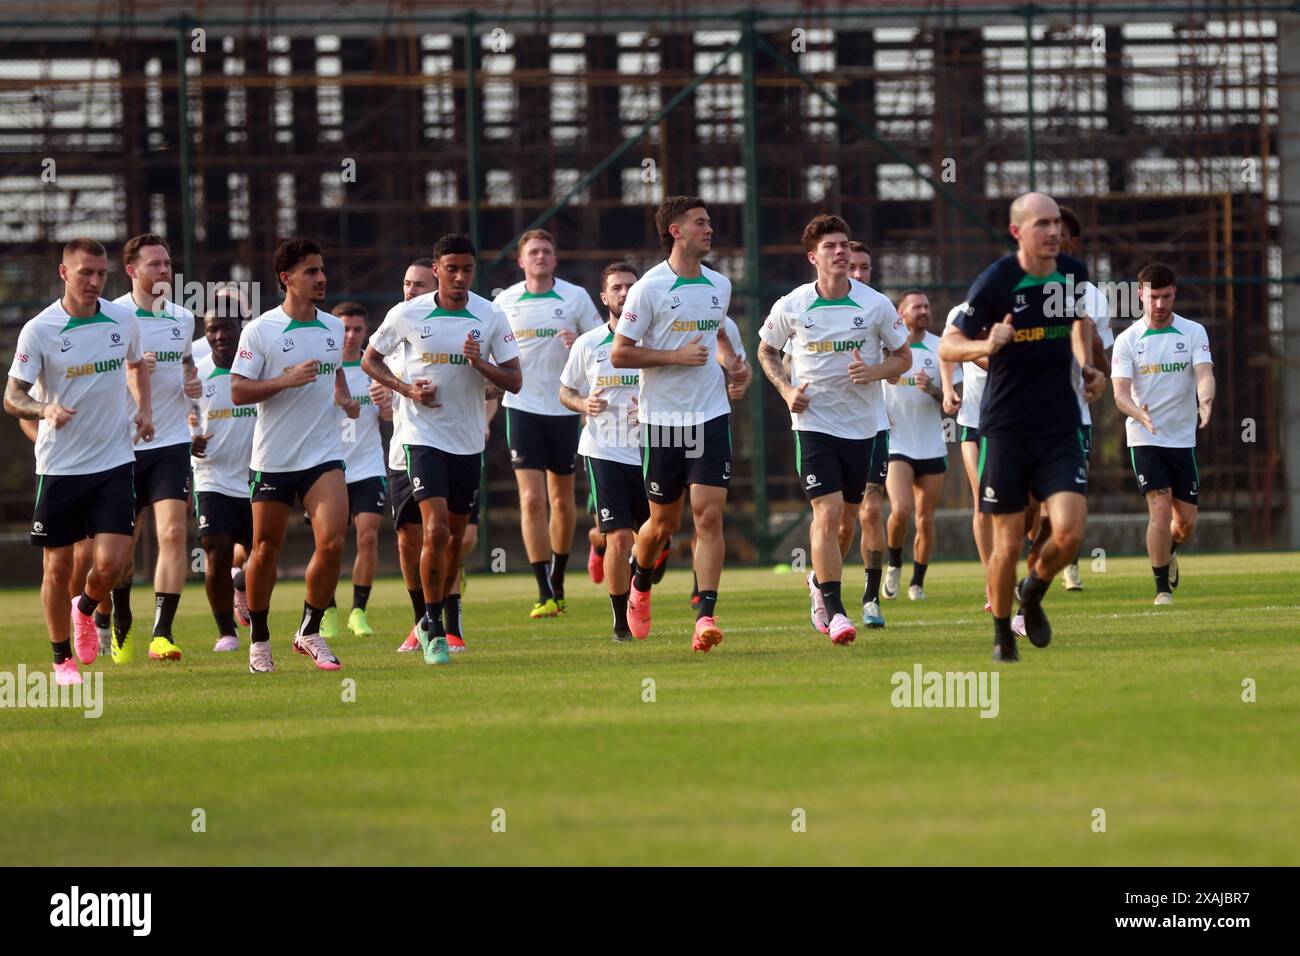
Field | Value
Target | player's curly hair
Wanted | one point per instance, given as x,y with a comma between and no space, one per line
823,225
670,212
291,252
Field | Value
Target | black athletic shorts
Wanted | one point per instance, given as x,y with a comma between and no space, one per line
367,496
438,474
1012,469
221,514
674,456
71,507
284,486
924,466
1086,431
879,468
400,499
828,463
1175,468
970,434
543,441
617,495
161,473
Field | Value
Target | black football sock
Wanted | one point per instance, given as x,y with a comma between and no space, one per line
1002,632
1034,589
542,571
708,601
872,592
695,587
62,650
558,563
102,620
433,619
361,595
122,618
417,603
619,603
1162,578
225,623
164,612
260,630
896,557
918,573
85,605
640,576
311,619
831,595
451,614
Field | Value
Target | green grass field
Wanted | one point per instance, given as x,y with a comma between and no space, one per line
1133,709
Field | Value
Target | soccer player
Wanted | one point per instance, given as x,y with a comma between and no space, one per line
452,342
918,455
1163,380
669,330
363,467
1095,307
220,455
84,352
966,406
611,442
546,315
1019,316
841,333
290,365
162,469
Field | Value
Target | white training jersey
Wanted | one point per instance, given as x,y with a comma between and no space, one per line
224,466
200,349
396,454
664,311
363,448
1095,306
431,341
611,435
877,388
536,321
297,428
168,333
916,418
823,334
1162,364
972,378
81,364
733,333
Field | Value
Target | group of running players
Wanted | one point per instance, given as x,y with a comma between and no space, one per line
265,412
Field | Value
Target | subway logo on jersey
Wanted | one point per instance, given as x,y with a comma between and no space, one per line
95,368
847,346
243,411
613,381
696,325
327,368
1163,367
362,399
536,333
169,356
443,358
1040,333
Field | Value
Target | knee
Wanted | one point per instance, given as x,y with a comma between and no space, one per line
330,548
901,512
171,537
708,521
871,509
470,538
665,527
367,540
436,534
531,500
266,551
925,524
1067,539
1184,525
561,501
619,543
1161,509
58,567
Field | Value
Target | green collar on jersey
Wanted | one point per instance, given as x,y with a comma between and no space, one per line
1030,282
294,325
842,300
607,339
920,345
95,319
548,294
1165,331
440,312
356,364
700,279
218,370
146,314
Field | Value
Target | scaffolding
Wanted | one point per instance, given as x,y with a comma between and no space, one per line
377,128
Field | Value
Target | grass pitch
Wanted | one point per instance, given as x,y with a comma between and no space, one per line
1134,710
